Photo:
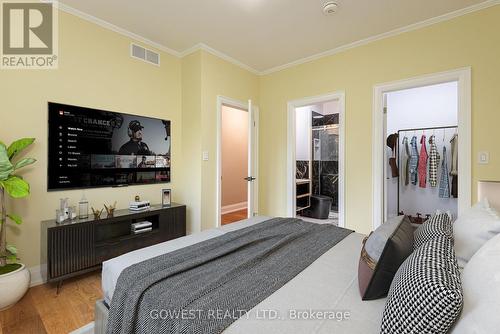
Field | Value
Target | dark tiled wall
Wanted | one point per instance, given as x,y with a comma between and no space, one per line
302,169
325,120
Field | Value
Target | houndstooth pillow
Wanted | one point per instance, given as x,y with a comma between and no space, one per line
437,225
426,294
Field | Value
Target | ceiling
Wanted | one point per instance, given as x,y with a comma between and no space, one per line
263,34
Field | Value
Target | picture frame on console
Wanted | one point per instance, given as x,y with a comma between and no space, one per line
166,197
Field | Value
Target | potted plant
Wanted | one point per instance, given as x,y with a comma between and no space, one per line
14,277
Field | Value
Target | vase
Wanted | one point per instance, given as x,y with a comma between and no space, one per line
14,286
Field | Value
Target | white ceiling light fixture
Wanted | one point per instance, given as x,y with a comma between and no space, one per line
330,7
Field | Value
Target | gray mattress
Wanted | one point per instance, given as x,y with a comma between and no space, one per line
326,289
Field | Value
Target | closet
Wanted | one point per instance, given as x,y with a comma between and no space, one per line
422,151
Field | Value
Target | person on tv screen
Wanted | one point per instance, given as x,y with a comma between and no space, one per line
135,146
142,164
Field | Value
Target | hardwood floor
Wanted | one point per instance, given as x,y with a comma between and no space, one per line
43,311
233,217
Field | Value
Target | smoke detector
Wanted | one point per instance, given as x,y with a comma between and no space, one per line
330,7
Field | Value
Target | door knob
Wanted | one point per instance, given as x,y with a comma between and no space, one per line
249,178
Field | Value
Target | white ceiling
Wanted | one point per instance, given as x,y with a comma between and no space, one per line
263,34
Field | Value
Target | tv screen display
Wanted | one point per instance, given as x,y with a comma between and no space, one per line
97,148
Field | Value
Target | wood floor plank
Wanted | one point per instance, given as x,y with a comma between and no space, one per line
233,217
22,318
43,311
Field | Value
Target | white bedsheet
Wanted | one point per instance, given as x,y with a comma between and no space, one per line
112,269
329,284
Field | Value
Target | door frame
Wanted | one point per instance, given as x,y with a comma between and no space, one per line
463,77
291,150
230,102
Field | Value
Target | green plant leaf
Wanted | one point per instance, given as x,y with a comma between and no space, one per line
24,162
16,187
6,167
11,249
15,218
16,147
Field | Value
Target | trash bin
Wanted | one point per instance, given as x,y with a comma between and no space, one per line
320,207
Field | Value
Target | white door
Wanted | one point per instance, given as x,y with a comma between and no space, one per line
252,160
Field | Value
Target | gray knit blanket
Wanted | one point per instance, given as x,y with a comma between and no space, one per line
205,287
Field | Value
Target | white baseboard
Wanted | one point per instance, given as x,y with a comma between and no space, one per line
233,207
37,274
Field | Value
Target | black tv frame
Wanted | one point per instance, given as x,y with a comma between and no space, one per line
102,186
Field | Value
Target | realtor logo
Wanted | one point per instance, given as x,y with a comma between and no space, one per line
29,35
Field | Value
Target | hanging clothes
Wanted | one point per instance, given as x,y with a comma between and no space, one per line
392,142
454,166
406,161
444,182
433,161
422,163
414,160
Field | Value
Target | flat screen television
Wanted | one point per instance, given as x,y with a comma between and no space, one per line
97,148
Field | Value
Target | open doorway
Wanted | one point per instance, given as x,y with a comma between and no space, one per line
418,97
316,160
234,166
422,151
237,160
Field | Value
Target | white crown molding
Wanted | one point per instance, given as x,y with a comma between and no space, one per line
112,27
219,54
392,33
204,47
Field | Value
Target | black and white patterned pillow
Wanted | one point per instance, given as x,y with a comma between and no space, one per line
426,293
437,225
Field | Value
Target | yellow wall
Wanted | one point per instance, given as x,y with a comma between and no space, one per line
95,70
191,139
205,77
218,78
471,40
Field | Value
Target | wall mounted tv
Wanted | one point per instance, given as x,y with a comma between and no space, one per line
97,148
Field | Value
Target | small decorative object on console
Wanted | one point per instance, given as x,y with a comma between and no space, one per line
139,206
72,213
63,212
110,209
137,198
83,208
166,197
97,213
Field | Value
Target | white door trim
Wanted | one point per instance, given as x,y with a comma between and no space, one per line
290,170
227,101
463,77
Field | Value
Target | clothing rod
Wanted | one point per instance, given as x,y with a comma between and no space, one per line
431,128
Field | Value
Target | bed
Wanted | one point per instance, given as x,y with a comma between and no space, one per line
327,288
